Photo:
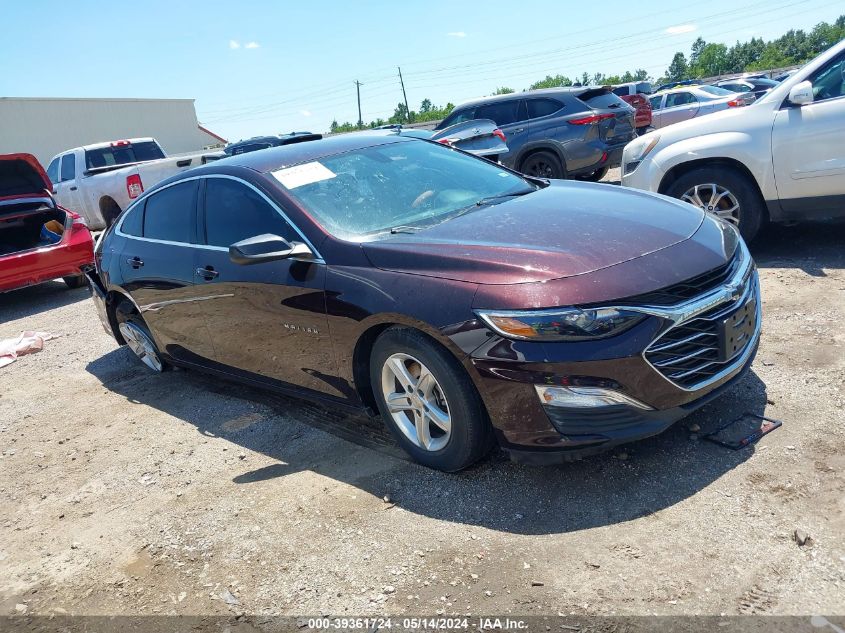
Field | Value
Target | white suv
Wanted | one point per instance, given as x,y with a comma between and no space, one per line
780,159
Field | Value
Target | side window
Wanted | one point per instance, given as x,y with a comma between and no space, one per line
542,107
68,167
679,99
501,112
829,82
53,171
235,212
655,102
458,116
169,213
619,90
133,223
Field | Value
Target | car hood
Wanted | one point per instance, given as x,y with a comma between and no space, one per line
565,229
22,181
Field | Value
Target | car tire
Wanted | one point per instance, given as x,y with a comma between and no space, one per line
75,281
138,338
399,358
542,165
594,176
729,189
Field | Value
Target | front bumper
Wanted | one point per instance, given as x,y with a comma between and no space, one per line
670,385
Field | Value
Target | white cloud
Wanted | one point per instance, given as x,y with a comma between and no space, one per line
681,28
253,45
456,34
234,44
305,112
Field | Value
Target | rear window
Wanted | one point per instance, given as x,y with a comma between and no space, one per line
644,88
621,91
601,99
169,213
122,155
542,107
503,112
716,91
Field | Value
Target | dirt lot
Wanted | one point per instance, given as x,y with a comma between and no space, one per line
125,492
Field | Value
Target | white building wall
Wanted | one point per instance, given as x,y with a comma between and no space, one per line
46,127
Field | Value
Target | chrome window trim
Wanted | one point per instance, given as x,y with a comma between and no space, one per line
317,259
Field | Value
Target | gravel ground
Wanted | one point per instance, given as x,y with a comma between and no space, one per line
125,492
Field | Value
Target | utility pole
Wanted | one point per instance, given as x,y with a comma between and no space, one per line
358,89
407,109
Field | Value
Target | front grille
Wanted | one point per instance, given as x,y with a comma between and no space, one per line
693,351
688,289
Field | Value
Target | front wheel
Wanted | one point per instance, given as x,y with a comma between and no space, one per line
427,401
725,193
543,165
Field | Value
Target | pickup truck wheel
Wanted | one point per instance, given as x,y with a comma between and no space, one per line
75,281
110,210
724,193
542,165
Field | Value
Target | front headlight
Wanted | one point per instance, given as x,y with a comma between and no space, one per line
639,149
568,324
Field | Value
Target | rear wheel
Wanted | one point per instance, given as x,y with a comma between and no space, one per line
725,193
427,401
138,338
110,210
75,281
543,165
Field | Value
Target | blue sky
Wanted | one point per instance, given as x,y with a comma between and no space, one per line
269,67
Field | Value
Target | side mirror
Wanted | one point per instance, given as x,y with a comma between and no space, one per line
801,94
267,248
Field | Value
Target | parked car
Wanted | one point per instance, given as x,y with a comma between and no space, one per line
635,95
781,159
680,104
98,181
677,84
263,142
463,301
758,86
557,132
480,137
785,75
39,240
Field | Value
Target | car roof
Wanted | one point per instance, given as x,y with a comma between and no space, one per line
543,92
275,158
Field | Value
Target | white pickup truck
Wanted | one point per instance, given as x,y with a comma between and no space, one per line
99,181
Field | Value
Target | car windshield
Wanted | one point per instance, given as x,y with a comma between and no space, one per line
716,91
398,187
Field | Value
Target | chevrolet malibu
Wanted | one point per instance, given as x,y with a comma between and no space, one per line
465,303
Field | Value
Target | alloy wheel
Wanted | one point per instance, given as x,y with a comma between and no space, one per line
416,402
540,169
714,199
141,345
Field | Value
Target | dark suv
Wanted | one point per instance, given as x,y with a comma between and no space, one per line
558,132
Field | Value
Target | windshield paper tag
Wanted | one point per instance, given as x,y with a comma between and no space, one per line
300,175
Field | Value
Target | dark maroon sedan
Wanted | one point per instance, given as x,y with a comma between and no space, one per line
464,302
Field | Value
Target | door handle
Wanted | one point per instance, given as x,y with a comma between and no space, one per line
73,188
519,129
208,273
135,262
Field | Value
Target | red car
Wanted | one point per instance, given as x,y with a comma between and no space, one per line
635,94
39,240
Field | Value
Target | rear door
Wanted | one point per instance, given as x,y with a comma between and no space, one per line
267,320
807,147
156,263
544,118
679,106
512,118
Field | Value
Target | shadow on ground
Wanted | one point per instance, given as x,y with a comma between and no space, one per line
811,247
29,302
497,494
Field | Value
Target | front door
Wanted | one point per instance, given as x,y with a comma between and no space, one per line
680,106
807,147
267,320
156,262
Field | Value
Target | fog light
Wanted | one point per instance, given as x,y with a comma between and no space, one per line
631,167
585,397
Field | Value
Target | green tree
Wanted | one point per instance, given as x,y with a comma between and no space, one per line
504,91
678,69
557,81
697,48
425,106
